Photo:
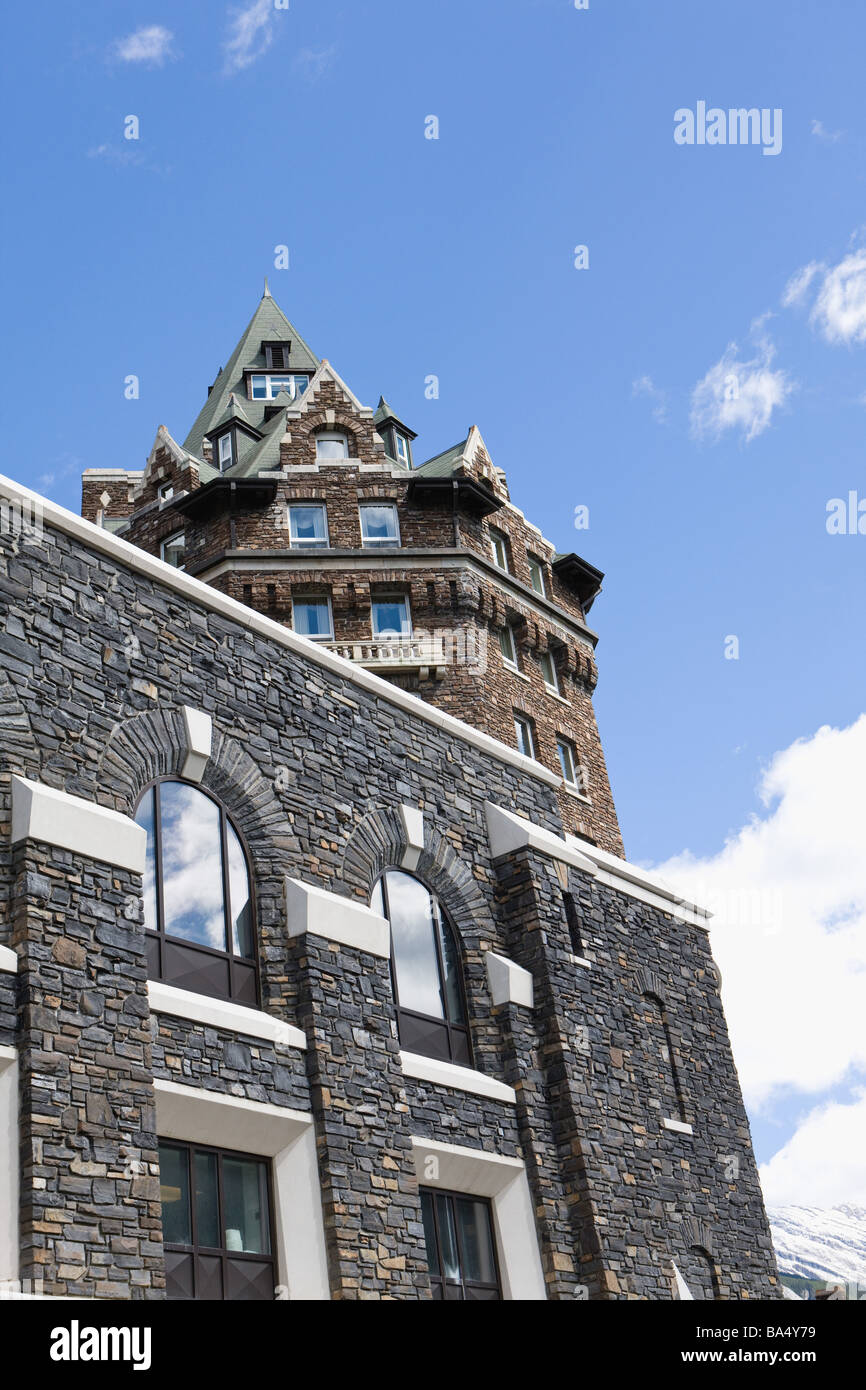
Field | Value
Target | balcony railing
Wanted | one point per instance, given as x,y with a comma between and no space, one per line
426,655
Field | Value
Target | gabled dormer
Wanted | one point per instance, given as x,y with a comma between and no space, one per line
232,436
396,436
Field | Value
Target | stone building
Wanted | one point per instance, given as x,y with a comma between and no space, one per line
310,988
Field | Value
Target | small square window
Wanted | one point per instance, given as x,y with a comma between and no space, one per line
572,771
332,446
499,547
548,672
508,646
379,525
308,527
311,616
524,735
259,388
226,452
536,575
171,550
390,616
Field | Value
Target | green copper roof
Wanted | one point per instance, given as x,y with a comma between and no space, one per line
443,465
268,324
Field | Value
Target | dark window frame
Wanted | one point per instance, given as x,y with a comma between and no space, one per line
190,1147
439,1280
444,1025
157,940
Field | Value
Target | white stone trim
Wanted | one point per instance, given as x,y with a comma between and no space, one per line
71,822
8,1164
130,556
582,960
509,982
8,960
642,884
483,1174
678,1126
508,832
684,1293
412,821
330,915
222,1013
285,1136
198,727
457,1078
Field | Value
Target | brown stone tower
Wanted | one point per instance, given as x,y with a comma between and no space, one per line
292,497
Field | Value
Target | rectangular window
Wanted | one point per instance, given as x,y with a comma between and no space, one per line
461,1250
267,388
499,547
390,616
548,672
525,735
401,444
172,550
379,527
572,772
308,526
332,446
226,453
536,575
216,1222
311,616
508,646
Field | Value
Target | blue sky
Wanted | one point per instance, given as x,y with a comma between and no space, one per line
454,256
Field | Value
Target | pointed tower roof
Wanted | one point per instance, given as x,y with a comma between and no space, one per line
384,412
268,324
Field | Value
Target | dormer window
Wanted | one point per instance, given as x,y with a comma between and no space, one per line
276,356
401,448
225,451
332,446
267,387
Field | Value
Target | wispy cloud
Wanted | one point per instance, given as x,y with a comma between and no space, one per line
151,45
838,310
126,156
313,63
740,395
645,386
250,34
820,132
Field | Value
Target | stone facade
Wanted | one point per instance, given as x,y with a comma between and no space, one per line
601,1114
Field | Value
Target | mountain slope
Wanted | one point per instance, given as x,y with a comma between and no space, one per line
820,1242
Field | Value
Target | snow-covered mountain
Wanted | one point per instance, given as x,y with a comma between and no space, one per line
820,1242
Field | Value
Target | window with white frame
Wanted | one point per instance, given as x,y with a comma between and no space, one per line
401,445
172,550
267,386
536,574
508,646
225,451
311,615
548,671
308,526
332,446
390,616
524,734
379,525
572,771
499,549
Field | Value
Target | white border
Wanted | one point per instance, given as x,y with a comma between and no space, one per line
222,1013
457,1078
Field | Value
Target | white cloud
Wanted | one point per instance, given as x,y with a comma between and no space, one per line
822,1163
250,34
152,44
789,935
645,386
839,307
313,63
830,136
740,395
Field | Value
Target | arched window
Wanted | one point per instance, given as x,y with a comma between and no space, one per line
198,903
425,965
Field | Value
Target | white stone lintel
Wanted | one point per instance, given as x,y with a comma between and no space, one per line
412,821
198,727
73,823
229,1122
457,1078
8,960
463,1169
509,982
508,832
313,910
678,1126
222,1013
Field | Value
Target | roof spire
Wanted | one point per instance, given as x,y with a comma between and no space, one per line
267,293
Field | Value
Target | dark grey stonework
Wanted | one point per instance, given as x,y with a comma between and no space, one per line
98,662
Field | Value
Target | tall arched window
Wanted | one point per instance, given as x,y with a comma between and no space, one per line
198,903
425,965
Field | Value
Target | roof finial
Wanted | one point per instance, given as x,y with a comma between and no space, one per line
267,293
